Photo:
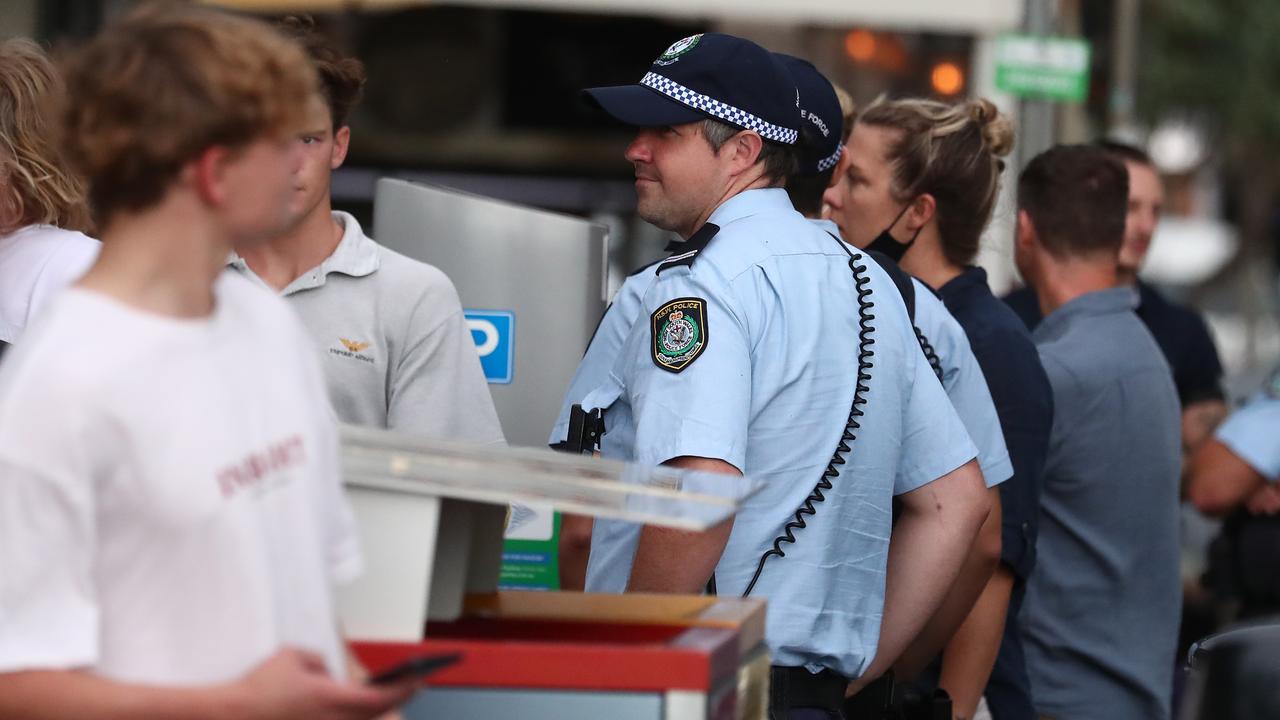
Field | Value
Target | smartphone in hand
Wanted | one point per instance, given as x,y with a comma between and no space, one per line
421,666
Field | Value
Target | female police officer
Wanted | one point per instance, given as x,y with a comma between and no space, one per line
929,172
754,352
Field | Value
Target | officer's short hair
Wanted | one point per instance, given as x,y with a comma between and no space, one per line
342,77
157,88
1077,197
780,161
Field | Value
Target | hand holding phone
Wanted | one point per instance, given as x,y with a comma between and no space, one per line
420,666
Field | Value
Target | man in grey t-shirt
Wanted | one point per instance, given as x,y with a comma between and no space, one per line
1100,619
389,330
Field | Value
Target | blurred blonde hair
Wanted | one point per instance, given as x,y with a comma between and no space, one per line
952,152
36,184
848,110
158,88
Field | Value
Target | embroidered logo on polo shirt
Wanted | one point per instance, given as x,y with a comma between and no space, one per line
679,333
354,349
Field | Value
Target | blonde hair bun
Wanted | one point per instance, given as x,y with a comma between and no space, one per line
997,129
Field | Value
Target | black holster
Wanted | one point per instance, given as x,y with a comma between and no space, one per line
883,699
876,701
585,431
792,688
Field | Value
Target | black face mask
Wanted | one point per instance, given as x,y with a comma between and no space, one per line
887,245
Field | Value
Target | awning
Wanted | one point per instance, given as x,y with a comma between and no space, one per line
973,16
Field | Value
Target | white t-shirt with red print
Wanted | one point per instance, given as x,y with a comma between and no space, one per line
171,510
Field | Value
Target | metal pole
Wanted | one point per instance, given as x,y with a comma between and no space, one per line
1036,129
1124,66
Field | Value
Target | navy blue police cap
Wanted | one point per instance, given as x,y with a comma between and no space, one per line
710,75
821,119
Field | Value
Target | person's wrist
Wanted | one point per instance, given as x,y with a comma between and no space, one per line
232,700
855,686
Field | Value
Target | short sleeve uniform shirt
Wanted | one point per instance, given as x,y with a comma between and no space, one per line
748,354
1253,431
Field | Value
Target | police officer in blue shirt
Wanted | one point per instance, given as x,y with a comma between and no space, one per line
946,345
1242,458
929,172
942,339
770,348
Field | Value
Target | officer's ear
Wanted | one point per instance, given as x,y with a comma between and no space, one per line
922,211
744,151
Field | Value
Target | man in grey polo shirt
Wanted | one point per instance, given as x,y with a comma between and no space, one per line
1100,619
394,344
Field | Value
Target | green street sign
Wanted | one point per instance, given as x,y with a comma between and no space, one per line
1045,68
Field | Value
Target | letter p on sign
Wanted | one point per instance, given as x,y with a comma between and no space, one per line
494,333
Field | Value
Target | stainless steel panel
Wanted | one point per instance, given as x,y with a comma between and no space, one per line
548,269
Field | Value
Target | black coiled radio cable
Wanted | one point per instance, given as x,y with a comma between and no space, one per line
929,353
865,340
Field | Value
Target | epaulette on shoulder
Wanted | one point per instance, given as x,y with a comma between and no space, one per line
690,248
646,267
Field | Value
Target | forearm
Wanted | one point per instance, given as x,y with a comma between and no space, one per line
678,561
1219,480
1199,420
984,555
929,544
61,694
575,550
969,657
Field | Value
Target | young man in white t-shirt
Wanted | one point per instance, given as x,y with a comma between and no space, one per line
389,331
171,516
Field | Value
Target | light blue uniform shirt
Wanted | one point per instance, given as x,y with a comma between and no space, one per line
1253,431
962,377
605,345
770,394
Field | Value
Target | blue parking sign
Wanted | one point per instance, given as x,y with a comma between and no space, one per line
494,333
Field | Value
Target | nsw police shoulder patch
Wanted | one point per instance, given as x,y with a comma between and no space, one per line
679,330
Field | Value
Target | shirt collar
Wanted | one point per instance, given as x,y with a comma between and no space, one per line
356,255
827,226
751,202
970,279
1099,302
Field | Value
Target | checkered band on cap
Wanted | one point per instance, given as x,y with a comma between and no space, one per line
830,161
711,106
